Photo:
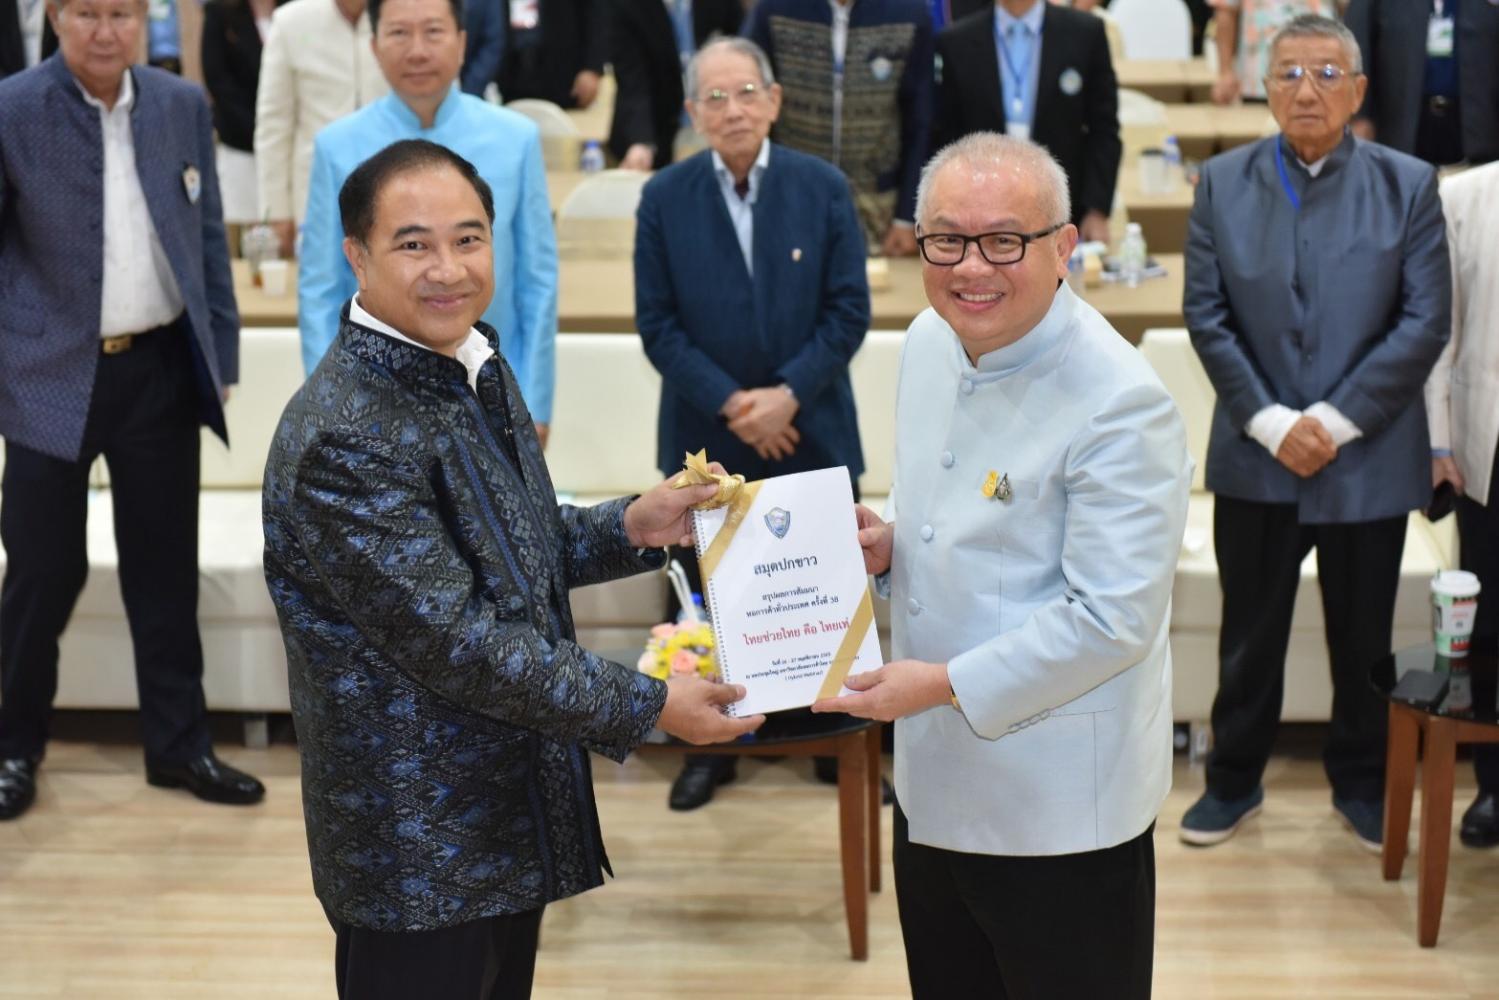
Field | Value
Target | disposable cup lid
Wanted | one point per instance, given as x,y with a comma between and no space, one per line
1455,583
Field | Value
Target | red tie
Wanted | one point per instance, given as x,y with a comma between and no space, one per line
741,188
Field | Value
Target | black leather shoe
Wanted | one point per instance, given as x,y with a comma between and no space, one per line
694,786
210,779
17,785
1481,822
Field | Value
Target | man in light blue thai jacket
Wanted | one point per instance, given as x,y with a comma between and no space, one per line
419,45
1040,494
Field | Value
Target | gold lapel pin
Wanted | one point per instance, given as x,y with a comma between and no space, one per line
997,486
796,255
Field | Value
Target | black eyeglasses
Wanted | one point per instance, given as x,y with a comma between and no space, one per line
949,249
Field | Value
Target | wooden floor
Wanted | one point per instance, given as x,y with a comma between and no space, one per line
111,888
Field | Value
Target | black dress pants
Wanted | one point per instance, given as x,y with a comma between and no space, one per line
143,418
489,959
1260,548
1478,541
1061,927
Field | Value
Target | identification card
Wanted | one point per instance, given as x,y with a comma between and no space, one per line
525,14
1439,37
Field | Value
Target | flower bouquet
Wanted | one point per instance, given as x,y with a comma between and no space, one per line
683,648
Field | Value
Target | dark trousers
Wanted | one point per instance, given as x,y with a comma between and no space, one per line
143,418
1478,541
489,959
1064,927
1260,548
1439,132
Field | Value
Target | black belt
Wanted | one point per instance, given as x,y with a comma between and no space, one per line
1440,105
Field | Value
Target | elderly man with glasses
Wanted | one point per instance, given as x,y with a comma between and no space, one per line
750,297
1040,494
1318,297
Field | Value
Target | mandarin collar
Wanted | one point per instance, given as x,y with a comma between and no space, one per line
1013,357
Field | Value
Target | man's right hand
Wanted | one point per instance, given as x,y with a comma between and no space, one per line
876,538
694,711
286,235
1444,469
1307,448
1226,88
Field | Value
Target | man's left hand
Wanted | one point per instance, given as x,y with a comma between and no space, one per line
662,517
542,430
585,87
900,241
893,691
768,413
1093,227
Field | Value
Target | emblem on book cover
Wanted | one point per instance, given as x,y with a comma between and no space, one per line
778,521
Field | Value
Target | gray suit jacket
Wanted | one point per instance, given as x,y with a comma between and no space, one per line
1345,301
52,245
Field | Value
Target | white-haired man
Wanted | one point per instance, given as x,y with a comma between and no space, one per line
1041,480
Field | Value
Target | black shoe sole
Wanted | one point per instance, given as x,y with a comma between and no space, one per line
719,780
19,807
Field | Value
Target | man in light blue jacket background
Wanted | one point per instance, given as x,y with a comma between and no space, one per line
419,45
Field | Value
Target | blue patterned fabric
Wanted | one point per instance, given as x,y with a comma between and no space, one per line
421,578
52,245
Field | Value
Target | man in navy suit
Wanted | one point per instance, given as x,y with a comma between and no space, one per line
750,297
118,336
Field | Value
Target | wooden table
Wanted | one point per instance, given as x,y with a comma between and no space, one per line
1467,714
598,296
1204,129
1162,217
856,745
1174,81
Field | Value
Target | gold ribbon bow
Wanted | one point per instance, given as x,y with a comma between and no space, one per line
695,472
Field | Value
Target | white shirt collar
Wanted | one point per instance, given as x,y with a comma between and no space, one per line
726,177
472,353
122,102
1314,168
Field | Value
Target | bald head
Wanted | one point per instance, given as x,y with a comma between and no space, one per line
1008,166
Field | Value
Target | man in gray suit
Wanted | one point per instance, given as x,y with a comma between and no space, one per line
118,336
1318,297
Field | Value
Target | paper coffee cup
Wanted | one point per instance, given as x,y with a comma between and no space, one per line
273,277
1454,605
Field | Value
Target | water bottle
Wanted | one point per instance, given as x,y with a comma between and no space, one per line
697,606
258,244
1173,151
1075,270
593,157
1132,256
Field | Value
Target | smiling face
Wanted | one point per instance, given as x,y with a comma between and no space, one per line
428,268
419,47
1313,117
992,305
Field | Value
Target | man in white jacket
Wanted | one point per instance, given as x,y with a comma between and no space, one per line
1462,408
1041,481
317,67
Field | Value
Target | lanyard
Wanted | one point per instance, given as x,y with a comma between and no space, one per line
1285,179
1016,71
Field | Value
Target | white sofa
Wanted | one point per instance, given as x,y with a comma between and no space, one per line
603,445
1197,599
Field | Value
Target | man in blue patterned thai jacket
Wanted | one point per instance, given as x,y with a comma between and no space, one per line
420,566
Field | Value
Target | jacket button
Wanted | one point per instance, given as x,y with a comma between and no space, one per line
947,460
966,386
927,532
913,606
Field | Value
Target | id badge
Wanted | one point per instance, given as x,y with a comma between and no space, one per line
524,14
1018,130
1439,37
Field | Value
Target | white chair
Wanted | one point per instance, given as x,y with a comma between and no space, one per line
1139,109
1154,29
598,217
561,140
